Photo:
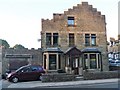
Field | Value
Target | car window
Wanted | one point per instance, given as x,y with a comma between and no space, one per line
34,68
26,69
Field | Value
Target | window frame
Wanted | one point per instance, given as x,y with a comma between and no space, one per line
71,21
90,40
52,62
55,39
48,39
71,39
93,62
93,39
87,39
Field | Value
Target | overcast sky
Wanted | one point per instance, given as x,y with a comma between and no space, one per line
20,20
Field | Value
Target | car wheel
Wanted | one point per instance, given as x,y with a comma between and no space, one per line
15,79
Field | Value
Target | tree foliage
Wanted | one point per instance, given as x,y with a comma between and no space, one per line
4,43
19,46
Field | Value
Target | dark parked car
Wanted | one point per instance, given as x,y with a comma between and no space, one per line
114,64
25,73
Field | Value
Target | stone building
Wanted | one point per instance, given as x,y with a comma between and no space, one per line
114,50
75,40
0,60
12,59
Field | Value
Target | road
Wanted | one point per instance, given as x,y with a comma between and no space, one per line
5,83
100,85
113,83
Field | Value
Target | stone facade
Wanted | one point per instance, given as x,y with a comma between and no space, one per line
12,59
84,20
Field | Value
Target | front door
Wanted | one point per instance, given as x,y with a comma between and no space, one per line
75,65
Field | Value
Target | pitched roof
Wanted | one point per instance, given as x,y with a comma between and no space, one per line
73,51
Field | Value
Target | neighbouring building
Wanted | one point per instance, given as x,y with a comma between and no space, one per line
12,59
114,50
75,40
0,60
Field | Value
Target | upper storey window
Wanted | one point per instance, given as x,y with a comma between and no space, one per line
55,39
87,39
71,21
71,39
93,39
48,38
52,39
90,39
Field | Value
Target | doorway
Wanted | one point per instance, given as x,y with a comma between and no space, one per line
75,65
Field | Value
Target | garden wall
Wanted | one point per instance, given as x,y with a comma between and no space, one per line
101,75
57,77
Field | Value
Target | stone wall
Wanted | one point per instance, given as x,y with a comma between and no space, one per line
101,75
30,56
57,77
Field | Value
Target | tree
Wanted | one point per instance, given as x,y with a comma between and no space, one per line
19,46
4,43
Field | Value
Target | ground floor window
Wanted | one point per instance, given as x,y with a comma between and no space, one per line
52,62
86,62
44,62
92,60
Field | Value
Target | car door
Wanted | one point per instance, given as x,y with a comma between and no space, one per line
35,72
25,73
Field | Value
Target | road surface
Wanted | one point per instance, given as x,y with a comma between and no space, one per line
106,83
100,85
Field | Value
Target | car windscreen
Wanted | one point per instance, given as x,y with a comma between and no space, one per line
19,69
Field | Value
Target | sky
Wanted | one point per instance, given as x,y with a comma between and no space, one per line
20,20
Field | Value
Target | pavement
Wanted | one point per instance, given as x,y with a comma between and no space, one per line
35,84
